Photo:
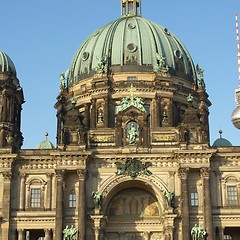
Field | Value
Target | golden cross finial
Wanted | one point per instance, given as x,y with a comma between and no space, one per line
132,90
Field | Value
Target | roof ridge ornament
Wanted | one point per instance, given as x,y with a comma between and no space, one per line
130,8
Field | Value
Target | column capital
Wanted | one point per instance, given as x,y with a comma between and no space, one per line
47,231
171,173
49,175
183,173
7,176
81,174
20,231
60,174
22,175
205,172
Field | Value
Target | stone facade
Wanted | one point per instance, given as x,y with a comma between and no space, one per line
132,161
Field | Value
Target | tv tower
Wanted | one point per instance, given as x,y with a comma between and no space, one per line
236,112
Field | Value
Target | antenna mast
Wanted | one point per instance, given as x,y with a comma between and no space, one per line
238,47
236,112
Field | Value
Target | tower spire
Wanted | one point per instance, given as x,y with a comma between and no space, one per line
237,91
130,8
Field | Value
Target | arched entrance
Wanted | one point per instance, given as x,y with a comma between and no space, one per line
135,209
131,214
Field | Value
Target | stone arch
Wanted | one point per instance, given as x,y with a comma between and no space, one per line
35,180
134,209
151,184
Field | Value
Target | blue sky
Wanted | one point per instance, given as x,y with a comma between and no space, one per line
41,37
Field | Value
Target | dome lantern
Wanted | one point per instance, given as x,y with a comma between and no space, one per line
131,8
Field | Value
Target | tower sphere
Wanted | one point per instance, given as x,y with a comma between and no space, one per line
236,117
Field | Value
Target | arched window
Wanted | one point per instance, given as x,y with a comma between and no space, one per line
35,193
231,189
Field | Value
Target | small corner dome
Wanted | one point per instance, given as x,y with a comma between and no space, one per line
6,64
132,44
221,142
45,145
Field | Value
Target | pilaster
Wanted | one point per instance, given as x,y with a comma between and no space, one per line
81,205
6,205
59,203
47,234
22,191
205,174
21,234
49,192
183,174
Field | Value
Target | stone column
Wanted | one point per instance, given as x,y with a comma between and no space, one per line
22,191
93,114
6,205
183,174
47,234
153,112
59,204
49,192
207,202
170,113
146,235
81,205
158,111
86,119
54,234
97,223
106,112
221,233
169,233
21,233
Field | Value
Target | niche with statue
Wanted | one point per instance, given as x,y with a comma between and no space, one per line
132,126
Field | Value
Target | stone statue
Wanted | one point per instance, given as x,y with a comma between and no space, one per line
97,198
198,233
161,66
132,134
62,81
201,77
170,197
132,101
69,233
102,66
138,103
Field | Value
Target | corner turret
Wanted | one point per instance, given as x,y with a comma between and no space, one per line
11,100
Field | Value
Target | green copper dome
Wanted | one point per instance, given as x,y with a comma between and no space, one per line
45,145
221,142
131,44
6,64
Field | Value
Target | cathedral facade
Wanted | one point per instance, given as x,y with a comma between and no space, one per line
133,158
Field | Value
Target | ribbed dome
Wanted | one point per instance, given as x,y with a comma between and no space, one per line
6,64
131,44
